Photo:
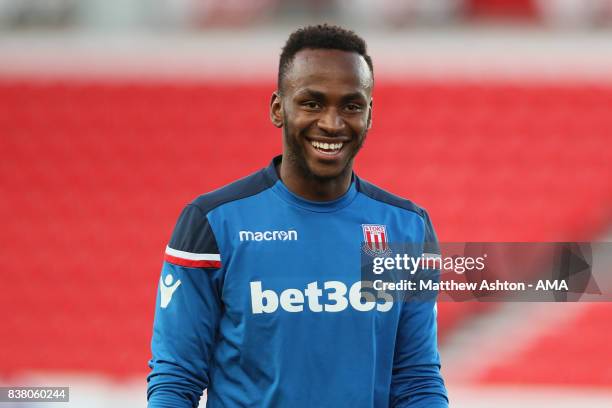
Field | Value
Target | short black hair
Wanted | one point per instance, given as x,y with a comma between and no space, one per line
317,37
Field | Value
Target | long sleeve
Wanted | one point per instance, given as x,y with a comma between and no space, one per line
416,379
187,314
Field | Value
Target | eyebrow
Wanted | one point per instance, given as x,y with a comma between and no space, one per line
321,95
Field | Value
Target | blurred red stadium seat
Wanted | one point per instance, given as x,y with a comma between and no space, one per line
95,174
579,349
502,8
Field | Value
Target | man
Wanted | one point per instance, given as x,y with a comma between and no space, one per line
260,296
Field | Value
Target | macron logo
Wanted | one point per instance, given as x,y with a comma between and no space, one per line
167,287
290,235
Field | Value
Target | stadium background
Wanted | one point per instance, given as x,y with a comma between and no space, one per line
492,114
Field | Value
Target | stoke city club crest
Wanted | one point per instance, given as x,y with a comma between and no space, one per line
376,240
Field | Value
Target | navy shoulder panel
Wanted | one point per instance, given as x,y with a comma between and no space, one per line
378,194
245,187
192,233
430,239
193,243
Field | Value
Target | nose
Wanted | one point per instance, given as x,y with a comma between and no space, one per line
331,122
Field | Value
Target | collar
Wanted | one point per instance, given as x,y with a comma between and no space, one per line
317,206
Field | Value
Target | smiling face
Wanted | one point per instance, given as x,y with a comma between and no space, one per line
325,110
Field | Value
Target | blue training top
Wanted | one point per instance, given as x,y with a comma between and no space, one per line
259,303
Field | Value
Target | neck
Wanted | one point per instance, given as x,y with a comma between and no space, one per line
313,188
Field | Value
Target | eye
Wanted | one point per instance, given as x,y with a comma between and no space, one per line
353,107
311,105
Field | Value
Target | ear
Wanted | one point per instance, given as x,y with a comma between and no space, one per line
276,110
370,106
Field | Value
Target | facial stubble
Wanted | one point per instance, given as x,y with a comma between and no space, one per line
295,153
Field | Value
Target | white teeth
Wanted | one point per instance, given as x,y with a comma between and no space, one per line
327,146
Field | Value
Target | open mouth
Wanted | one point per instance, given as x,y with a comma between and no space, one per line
329,149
